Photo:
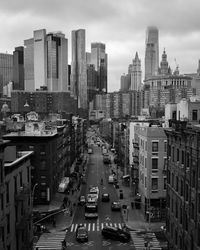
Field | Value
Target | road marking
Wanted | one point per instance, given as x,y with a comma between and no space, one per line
95,226
72,227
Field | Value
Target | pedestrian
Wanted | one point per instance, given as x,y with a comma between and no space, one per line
72,191
132,204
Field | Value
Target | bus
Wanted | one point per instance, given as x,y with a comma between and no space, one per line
91,210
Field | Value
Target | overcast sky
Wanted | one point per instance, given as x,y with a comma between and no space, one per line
120,24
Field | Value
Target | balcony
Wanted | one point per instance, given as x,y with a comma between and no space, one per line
23,193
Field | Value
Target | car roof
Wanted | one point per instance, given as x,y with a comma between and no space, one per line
111,228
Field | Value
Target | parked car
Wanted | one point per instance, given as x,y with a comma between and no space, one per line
105,197
82,200
116,206
81,233
115,233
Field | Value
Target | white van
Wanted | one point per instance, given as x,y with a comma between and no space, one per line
111,179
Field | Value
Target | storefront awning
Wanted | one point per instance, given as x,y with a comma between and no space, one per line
126,176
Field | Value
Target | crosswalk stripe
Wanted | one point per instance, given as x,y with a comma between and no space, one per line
72,227
95,226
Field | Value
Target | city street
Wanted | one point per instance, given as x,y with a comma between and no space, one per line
95,171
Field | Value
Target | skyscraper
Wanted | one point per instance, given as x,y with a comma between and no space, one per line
151,52
46,61
136,73
79,69
99,59
6,69
18,68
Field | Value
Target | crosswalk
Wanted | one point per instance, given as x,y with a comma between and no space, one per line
49,241
94,226
139,240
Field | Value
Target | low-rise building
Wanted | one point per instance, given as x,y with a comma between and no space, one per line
183,186
16,198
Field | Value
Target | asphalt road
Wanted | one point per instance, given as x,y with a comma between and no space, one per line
95,171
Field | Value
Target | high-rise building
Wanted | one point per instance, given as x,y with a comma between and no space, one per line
46,61
136,74
6,70
79,69
99,59
151,52
18,68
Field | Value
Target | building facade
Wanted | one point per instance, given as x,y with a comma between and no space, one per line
151,52
6,70
79,68
46,61
152,160
16,199
99,60
136,74
42,102
18,68
183,189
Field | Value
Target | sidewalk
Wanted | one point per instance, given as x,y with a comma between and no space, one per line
133,218
63,220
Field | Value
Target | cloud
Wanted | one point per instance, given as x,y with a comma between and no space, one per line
121,25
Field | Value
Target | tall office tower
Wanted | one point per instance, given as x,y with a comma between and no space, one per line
6,70
136,73
46,61
78,68
99,59
151,52
18,68
125,82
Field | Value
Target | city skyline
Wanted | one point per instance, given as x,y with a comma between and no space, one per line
120,26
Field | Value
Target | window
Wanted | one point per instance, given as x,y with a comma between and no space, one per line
173,154
15,184
20,179
177,154
186,192
154,183
182,157
165,183
181,191
2,234
177,181
165,146
43,165
2,201
1,171
173,180
194,115
145,182
28,174
193,178
192,210
8,223
155,146
154,164
7,192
